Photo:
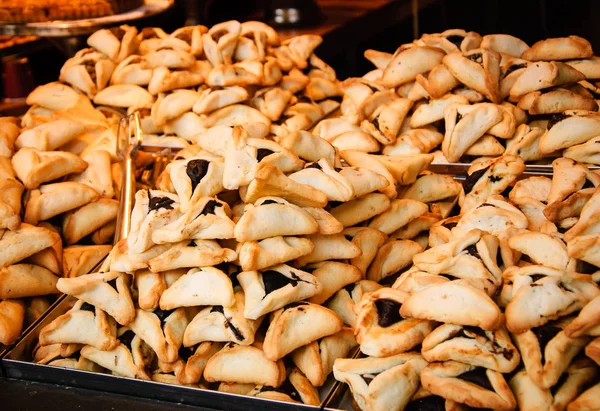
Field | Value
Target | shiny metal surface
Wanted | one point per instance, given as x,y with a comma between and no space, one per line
129,139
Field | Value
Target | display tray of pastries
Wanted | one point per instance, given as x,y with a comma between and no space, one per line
36,11
283,218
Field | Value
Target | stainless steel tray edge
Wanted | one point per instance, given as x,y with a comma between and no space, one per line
145,389
16,364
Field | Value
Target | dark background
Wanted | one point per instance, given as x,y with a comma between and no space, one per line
530,20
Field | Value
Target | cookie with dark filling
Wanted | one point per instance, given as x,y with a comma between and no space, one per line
569,128
153,210
131,358
197,177
162,330
207,219
83,324
192,361
274,288
547,351
471,256
478,69
498,175
248,155
549,295
472,345
222,324
381,330
380,384
466,384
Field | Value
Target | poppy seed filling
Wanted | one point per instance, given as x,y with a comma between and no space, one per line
196,170
478,377
389,312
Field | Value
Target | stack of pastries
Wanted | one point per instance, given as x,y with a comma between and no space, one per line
195,78
499,309
291,228
462,96
224,278
65,163
59,176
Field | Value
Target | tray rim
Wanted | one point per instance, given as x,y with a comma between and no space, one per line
112,384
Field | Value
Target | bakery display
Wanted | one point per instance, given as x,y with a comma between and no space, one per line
33,11
298,220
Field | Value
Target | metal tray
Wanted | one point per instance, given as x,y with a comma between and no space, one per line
17,363
334,395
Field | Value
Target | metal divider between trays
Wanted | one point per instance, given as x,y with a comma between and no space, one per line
17,361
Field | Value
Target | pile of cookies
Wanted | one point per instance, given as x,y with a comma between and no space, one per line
500,309
196,78
232,259
291,228
167,304
59,176
191,80
462,96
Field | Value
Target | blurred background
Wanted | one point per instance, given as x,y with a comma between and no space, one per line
348,26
